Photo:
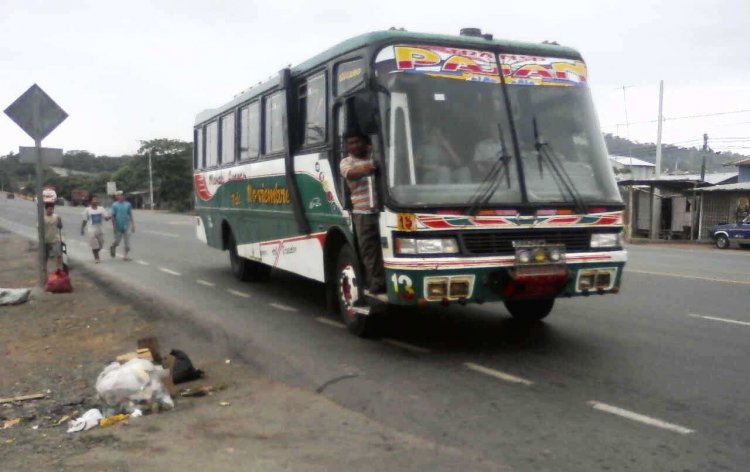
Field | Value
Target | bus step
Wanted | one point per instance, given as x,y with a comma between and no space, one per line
376,298
361,310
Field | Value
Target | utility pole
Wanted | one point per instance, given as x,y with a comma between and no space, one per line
699,212
655,200
625,106
150,180
703,159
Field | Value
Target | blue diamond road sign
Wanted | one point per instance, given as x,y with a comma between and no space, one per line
36,113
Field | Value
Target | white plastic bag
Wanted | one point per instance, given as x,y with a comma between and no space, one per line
14,296
138,381
87,421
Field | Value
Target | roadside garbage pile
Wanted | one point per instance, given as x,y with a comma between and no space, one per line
138,383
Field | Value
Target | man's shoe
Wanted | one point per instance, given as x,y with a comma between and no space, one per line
379,295
112,251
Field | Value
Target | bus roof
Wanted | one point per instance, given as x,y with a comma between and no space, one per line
385,37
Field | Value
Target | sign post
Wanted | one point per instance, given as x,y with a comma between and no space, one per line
37,114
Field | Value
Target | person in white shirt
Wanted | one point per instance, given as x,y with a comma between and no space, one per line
94,216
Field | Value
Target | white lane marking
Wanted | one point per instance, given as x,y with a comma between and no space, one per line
238,293
694,277
640,418
497,374
406,346
160,233
169,271
282,307
206,283
714,318
143,263
328,322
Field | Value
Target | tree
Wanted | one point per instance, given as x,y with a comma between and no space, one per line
172,169
128,178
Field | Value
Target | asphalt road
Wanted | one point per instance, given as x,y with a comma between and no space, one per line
653,379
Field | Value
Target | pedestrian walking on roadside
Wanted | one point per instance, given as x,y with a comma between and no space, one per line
52,239
94,217
122,224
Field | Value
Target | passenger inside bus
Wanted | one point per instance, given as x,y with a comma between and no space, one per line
437,161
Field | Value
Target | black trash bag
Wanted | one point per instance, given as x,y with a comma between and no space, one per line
183,370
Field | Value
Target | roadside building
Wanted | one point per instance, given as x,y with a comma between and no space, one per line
679,196
728,203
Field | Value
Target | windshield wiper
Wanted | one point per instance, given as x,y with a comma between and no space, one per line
491,181
562,179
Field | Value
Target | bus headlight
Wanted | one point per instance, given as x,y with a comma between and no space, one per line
524,256
555,254
606,239
426,246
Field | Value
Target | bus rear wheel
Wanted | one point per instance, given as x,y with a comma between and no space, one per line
529,310
349,295
244,269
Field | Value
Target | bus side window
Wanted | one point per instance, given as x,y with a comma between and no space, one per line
312,110
273,137
250,131
212,144
227,138
198,152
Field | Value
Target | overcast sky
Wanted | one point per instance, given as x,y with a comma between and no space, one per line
139,70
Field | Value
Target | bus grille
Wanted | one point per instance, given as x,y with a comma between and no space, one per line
501,242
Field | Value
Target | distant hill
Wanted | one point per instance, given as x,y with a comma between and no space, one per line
673,158
79,169
84,161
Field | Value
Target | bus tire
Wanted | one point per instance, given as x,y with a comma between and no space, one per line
722,242
529,310
244,269
348,291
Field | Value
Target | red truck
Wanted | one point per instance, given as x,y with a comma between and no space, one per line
79,197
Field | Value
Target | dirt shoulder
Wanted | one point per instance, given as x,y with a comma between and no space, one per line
57,345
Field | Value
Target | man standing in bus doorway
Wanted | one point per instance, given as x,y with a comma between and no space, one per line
122,223
359,169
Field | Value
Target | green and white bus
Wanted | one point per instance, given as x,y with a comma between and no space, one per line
494,180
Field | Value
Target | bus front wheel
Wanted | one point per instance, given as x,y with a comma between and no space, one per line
529,310
349,295
244,269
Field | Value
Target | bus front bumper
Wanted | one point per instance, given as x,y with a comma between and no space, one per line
432,282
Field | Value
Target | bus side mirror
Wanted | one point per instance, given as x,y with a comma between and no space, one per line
285,78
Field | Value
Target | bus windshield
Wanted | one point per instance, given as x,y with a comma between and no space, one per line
447,123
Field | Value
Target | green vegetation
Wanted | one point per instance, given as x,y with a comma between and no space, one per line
171,162
674,159
171,168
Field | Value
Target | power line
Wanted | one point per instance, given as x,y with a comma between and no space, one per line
687,117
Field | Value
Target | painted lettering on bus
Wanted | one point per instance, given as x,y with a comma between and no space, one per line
409,58
221,178
350,74
268,195
542,70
